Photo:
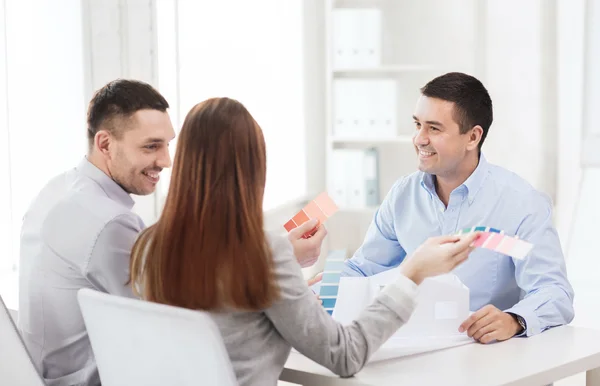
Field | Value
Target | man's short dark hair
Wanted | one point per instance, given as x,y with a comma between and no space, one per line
472,102
117,101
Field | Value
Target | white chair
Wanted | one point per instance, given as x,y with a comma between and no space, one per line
16,366
14,314
142,343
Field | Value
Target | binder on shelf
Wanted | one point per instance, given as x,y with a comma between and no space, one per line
346,108
383,108
365,108
370,170
356,38
338,190
355,178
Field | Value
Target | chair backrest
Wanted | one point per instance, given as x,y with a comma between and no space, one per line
16,366
143,343
14,314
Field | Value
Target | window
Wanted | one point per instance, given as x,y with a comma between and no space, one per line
42,108
248,50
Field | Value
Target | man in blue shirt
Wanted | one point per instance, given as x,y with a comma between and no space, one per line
457,188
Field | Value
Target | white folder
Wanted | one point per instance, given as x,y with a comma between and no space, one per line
365,108
442,305
354,178
356,38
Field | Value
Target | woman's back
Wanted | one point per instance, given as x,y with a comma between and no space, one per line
256,349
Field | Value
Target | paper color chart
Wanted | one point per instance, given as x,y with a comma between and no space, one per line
320,208
331,280
496,240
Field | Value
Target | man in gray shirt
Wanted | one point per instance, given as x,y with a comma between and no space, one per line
79,230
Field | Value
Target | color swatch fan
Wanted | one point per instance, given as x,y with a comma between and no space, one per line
331,280
495,240
320,208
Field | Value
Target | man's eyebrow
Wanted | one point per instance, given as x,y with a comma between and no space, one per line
154,140
434,123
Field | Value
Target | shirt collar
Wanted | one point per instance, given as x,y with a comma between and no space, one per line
477,178
428,183
113,190
473,184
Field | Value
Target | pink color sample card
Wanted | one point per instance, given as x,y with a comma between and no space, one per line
320,208
496,240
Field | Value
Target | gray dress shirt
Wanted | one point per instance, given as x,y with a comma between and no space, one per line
78,233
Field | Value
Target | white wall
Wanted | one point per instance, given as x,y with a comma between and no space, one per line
314,94
592,75
518,72
571,23
591,89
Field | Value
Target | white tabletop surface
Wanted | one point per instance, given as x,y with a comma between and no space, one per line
538,360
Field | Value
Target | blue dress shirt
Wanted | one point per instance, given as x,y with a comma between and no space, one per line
535,288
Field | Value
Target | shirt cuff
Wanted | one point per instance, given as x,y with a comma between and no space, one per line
350,269
531,321
401,296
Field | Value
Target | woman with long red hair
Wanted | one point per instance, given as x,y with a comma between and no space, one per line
208,251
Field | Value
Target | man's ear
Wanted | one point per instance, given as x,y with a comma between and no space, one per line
475,135
102,141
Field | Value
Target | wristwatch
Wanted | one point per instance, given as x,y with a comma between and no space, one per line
521,322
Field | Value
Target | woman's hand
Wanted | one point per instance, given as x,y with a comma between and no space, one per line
306,240
438,255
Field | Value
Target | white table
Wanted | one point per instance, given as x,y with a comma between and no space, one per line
538,360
